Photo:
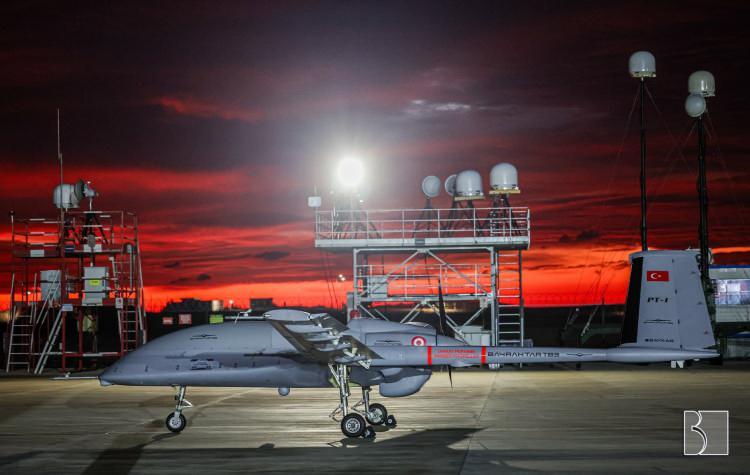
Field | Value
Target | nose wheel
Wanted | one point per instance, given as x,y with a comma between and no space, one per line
176,422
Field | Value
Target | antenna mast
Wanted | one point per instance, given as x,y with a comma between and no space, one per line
60,158
642,66
701,85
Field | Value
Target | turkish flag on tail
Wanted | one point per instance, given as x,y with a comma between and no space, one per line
657,276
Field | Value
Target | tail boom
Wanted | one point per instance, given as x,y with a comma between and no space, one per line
462,356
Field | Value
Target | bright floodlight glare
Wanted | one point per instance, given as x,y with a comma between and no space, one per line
350,173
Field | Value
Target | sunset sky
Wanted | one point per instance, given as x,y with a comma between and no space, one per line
214,121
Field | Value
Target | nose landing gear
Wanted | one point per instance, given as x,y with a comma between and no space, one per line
175,421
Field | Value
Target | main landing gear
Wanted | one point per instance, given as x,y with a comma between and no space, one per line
355,423
176,422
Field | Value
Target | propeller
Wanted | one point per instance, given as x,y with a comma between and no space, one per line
443,326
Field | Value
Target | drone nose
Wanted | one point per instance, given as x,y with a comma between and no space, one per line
118,373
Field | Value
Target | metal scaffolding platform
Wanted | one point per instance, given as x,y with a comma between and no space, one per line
500,228
408,259
76,289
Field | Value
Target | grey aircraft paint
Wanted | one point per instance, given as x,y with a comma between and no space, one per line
666,320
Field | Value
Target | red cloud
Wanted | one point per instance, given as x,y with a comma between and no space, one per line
191,106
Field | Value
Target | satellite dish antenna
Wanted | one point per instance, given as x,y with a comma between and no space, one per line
431,186
450,185
83,189
80,187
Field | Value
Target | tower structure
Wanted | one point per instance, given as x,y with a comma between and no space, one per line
76,287
468,256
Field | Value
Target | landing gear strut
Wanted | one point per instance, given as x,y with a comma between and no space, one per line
353,424
176,422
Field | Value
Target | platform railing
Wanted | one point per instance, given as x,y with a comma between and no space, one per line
37,237
445,223
423,280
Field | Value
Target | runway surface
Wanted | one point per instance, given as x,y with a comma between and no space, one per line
603,419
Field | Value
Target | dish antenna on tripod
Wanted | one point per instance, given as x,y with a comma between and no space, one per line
83,189
450,185
431,189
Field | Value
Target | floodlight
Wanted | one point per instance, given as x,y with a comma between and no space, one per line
695,105
350,173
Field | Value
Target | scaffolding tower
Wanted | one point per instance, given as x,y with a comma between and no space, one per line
469,257
76,289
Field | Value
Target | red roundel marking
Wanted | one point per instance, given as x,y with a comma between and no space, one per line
418,341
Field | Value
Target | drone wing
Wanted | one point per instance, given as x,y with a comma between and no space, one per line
321,337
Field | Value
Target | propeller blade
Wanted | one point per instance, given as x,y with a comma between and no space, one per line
445,329
450,376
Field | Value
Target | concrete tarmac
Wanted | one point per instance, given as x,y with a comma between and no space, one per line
602,419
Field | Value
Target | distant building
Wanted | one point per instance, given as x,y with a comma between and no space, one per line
732,285
260,305
176,315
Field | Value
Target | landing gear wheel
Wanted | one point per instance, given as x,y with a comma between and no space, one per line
369,433
176,423
353,425
377,415
390,422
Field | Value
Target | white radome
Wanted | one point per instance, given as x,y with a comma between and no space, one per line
469,184
431,186
703,83
695,105
64,196
642,64
504,177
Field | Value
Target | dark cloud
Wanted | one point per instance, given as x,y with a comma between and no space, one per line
203,277
587,235
271,255
172,265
